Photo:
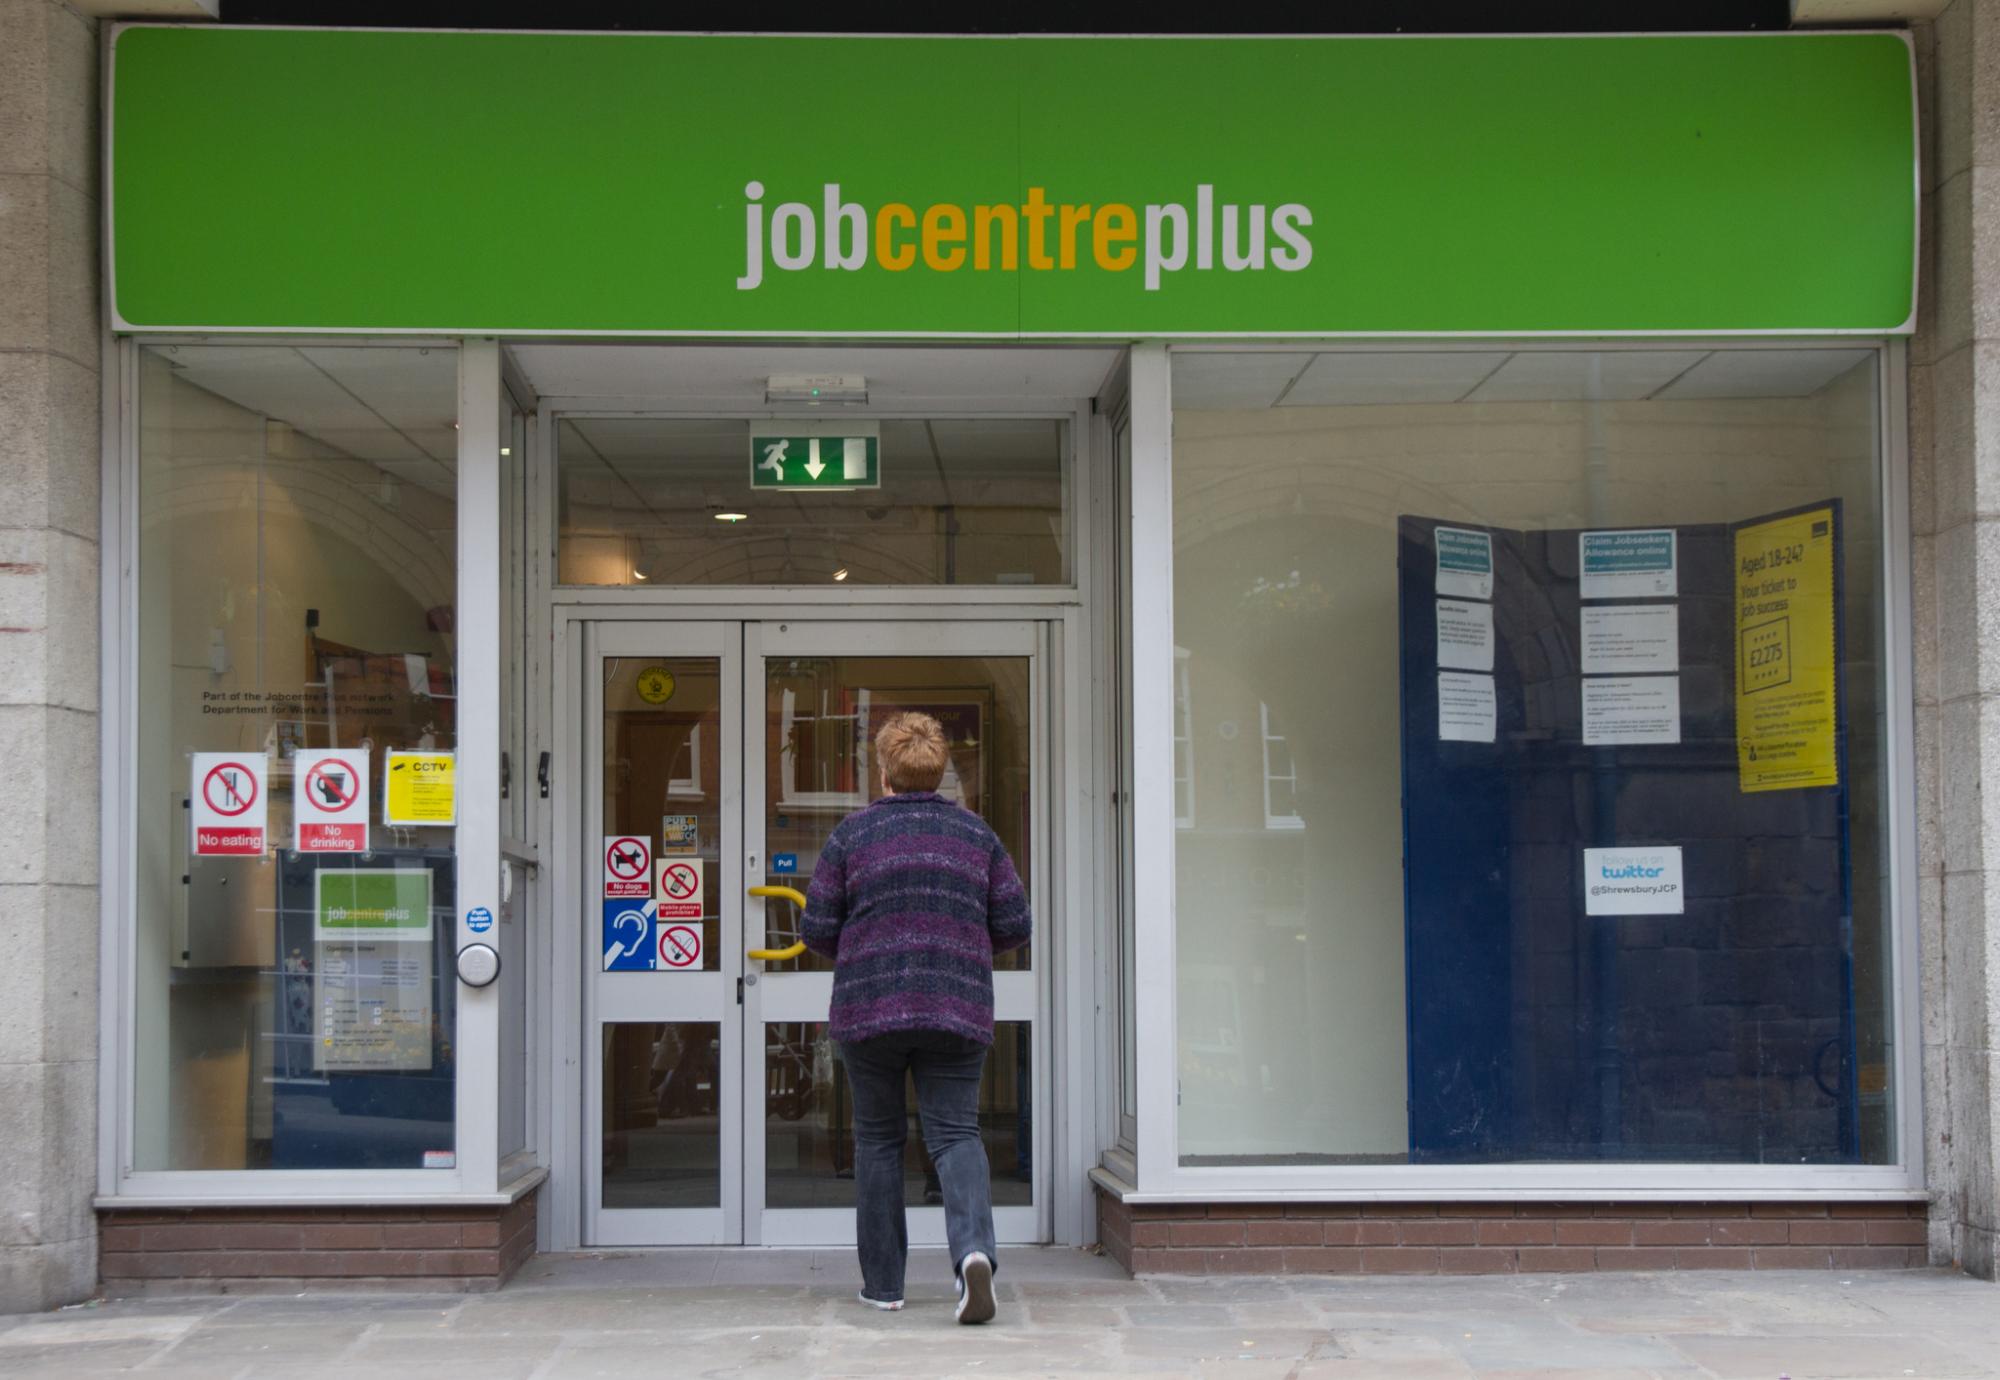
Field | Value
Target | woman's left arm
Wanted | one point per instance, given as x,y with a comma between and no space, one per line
826,899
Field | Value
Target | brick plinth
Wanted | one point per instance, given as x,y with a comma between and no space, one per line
1506,1238
473,1249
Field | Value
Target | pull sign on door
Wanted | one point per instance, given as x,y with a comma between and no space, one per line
227,804
330,801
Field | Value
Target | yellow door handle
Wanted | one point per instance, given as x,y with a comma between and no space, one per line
797,898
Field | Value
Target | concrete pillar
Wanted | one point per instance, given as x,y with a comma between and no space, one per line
1955,516
49,464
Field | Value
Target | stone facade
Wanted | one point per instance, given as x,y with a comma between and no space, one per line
50,334
1955,553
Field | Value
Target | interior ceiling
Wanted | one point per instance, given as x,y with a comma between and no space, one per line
1256,380
734,376
394,408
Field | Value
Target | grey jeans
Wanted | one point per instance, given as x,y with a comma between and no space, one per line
946,1069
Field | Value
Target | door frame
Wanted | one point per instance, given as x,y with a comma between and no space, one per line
1065,1058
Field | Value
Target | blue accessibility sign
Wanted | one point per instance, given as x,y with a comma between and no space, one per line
628,937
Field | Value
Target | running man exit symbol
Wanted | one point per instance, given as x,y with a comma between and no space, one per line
813,459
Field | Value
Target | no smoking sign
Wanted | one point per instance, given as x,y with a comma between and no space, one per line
680,946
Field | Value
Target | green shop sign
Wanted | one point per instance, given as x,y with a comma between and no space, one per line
371,903
294,179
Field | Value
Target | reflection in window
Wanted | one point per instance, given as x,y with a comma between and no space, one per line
1280,781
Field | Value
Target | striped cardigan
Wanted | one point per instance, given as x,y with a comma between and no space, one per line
911,898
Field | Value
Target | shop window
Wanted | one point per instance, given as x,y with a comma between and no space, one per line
651,501
1563,838
296,635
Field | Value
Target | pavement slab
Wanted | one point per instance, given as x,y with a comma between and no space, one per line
792,1315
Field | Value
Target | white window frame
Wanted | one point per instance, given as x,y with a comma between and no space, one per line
1158,1175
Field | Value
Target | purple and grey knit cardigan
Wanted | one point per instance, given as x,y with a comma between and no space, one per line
911,898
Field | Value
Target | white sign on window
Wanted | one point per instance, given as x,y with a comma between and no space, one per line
1633,881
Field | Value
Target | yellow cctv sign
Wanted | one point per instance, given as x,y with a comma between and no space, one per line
422,789
1787,655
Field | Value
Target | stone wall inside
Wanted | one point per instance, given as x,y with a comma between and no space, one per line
49,464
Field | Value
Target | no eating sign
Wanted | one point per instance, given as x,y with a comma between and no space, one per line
227,804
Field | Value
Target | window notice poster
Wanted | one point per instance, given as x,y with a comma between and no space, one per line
371,969
423,789
1786,657
1464,563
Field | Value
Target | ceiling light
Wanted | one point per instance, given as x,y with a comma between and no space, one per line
637,576
816,388
840,574
732,517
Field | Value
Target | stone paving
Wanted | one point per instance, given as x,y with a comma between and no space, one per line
679,1315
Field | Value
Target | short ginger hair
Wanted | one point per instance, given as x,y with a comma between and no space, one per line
911,750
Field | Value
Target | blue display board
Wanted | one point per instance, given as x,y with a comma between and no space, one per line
1538,1031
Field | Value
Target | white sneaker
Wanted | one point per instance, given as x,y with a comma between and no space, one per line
886,1305
975,1288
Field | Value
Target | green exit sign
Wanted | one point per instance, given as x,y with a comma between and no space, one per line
815,462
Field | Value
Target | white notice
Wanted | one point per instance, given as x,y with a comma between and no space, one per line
1465,636
1465,708
1631,709
1631,639
1633,881
1464,562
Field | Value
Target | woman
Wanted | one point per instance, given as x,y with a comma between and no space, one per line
911,899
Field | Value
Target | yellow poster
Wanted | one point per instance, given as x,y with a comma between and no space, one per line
422,788
1786,653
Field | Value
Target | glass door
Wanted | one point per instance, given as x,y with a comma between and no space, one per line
662,929
816,694
721,755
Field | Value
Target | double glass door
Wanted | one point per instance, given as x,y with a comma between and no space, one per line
721,755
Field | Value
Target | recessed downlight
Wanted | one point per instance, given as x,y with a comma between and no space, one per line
732,517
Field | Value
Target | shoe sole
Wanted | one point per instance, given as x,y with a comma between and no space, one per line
885,1306
976,1306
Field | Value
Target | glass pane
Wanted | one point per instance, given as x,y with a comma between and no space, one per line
663,774
963,501
821,717
809,1122
294,1009
1483,611
662,1133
